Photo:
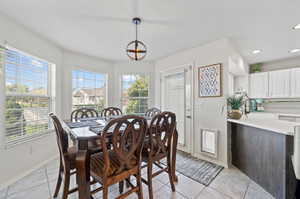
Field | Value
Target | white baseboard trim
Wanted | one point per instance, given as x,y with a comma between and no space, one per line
19,177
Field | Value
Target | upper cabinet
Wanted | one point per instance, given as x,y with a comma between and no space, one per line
259,85
280,84
295,82
275,84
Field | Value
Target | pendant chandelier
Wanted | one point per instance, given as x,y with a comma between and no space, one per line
136,50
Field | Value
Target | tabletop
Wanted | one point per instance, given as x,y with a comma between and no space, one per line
88,128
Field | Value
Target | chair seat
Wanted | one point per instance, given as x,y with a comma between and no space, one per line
97,164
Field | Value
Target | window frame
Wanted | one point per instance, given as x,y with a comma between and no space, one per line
88,70
50,95
149,98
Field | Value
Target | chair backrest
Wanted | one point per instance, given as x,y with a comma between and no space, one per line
161,131
83,113
111,111
127,136
61,136
151,112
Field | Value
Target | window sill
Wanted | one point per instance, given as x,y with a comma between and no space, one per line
23,140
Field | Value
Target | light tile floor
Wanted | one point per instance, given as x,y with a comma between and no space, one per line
229,184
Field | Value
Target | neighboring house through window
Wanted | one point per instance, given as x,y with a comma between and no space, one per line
89,90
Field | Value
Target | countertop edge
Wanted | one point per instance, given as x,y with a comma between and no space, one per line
259,126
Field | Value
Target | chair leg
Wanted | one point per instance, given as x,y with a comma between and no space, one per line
66,185
105,192
140,185
149,175
127,184
59,180
121,187
170,173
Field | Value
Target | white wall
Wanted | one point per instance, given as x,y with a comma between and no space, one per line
18,160
207,111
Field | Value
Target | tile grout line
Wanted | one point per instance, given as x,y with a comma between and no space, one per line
6,193
220,192
200,192
48,183
246,190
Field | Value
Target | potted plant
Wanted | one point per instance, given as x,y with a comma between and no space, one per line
255,68
235,102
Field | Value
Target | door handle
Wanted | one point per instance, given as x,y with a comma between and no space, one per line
189,117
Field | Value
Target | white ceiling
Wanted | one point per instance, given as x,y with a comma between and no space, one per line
103,28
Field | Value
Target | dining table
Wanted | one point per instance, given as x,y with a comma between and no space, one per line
89,130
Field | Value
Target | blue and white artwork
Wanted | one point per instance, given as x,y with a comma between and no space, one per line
210,81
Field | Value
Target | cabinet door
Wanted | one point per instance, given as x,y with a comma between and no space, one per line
279,84
295,82
259,85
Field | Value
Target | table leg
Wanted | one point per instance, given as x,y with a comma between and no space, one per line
174,151
83,170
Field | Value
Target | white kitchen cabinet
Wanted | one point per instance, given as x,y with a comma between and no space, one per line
259,85
280,84
295,82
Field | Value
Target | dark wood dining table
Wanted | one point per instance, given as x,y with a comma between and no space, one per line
87,130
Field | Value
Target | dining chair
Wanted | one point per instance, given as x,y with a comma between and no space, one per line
111,111
157,147
67,158
124,159
83,113
151,112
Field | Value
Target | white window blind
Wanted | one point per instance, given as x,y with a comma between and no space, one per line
135,93
27,95
89,90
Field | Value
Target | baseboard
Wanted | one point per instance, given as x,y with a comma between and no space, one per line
19,177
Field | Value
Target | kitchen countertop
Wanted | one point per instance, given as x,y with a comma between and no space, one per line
267,122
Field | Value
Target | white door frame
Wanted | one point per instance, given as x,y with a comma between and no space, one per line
187,69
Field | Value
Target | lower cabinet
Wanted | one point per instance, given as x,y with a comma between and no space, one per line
265,157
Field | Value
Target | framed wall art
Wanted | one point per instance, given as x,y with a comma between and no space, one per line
210,81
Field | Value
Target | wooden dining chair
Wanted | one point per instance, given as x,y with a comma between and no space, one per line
151,112
67,158
111,111
158,146
124,159
83,113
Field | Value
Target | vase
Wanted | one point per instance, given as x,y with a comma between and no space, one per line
235,114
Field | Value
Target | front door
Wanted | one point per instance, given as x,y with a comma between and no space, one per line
176,88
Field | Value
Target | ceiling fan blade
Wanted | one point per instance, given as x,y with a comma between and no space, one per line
106,19
160,22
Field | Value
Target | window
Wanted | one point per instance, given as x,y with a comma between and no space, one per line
89,90
27,93
135,93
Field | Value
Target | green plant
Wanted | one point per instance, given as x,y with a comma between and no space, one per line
235,102
256,67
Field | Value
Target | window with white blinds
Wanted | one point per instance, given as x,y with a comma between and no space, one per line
135,93
89,90
27,95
